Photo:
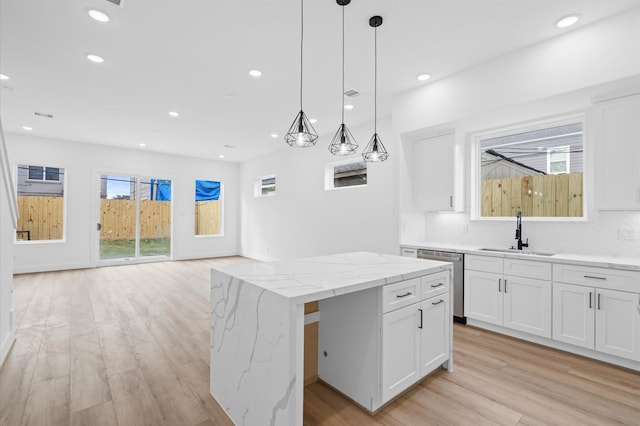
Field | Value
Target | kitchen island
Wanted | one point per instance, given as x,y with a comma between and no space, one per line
257,326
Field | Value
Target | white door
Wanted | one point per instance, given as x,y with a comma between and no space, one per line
483,296
400,350
574,314
527,305
435,322
618,323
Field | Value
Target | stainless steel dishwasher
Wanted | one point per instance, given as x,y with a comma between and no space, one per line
458,278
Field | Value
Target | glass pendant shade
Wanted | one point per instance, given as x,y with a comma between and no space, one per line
375,150
343,142
301,133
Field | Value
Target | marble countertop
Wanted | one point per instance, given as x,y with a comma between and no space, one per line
604,261
315,278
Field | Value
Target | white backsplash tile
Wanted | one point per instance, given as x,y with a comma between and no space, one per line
597,236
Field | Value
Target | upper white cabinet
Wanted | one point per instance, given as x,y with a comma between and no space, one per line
438,174
616,139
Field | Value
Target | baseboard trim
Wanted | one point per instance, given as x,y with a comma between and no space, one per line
7,344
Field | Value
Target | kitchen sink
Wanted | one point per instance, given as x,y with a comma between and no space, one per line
514,251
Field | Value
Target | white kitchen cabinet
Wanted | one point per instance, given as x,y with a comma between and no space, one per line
400,350
415,342
435,333
438,174
374,344
595,318
520,302
616,136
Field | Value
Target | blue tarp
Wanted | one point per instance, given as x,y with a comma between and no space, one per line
163,189
207,190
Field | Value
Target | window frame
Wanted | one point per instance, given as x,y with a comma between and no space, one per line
259,186
475,139
44,174
65,181
222,205
329,174
567,161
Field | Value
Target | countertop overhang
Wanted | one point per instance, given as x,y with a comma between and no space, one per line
315,278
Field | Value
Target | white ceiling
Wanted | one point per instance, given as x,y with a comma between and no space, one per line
193,56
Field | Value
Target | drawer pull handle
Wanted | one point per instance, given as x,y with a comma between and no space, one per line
590,300
420,326
598,301
437,285
505,285
399,296
438,302
499,284
595,278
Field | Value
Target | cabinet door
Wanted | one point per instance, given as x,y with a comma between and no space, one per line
616,134
400,350
483,296
574,314
618,323
527,305
434,166
436,323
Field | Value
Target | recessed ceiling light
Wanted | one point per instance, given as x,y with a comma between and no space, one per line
348,107
255,73
27,128
423,77
567,21
98,15
4,77
221,156
313,120
274,135
142,144
95,58
174,114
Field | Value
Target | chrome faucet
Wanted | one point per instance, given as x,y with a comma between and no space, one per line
519,231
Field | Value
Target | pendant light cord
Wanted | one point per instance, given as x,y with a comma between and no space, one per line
342,96
375,80
301,44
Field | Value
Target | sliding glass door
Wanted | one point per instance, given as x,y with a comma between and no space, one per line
135,218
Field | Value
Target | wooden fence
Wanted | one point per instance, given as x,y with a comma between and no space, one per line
118,219
558,195
208,218
43,217
40,217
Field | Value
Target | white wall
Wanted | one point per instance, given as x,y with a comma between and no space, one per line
6,271
556,77
303,219
84,163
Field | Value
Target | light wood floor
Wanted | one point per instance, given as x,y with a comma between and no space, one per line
128,345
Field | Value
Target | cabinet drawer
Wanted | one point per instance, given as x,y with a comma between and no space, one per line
400,294
527,269
483,263
409,252
612,279
434,284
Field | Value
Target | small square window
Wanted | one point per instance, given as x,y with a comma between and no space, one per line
265,186
345,174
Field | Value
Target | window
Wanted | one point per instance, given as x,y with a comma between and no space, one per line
208,208
40,203
265,186
558,160
51,174
345,174
536,170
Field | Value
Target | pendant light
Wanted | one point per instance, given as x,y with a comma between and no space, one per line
375,150
301,133
343,142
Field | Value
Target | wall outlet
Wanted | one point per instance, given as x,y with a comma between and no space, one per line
628,233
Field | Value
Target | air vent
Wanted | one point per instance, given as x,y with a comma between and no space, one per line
116,2
42,114
351,93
